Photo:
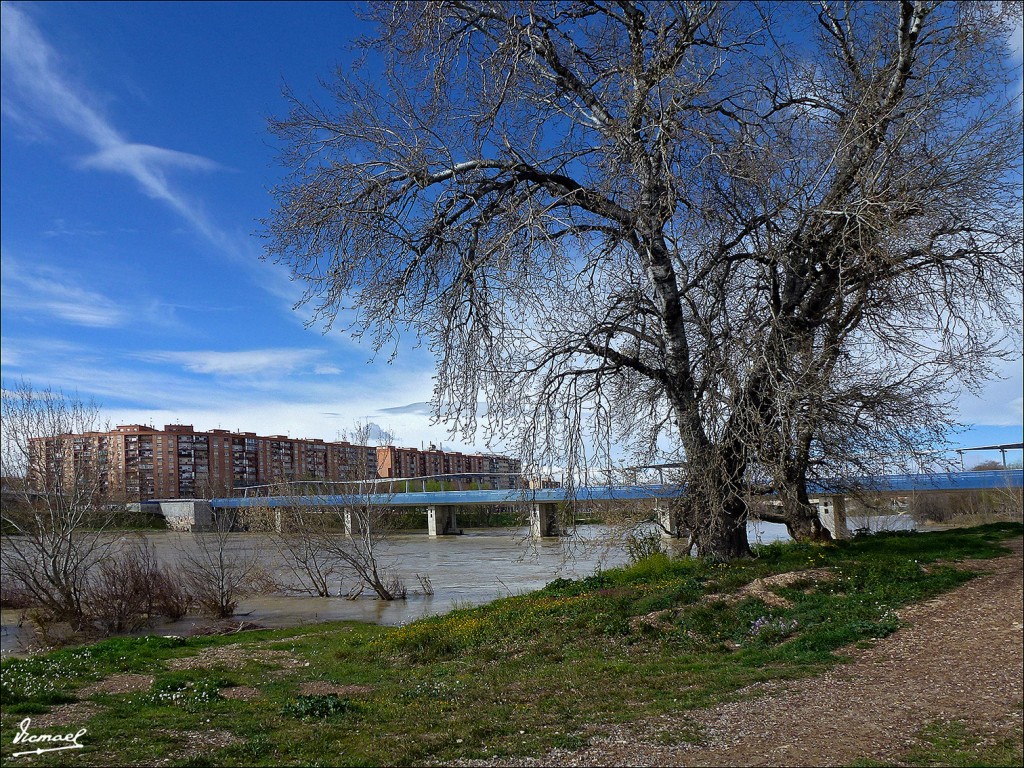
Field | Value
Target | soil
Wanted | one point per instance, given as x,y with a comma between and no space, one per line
241,693
233,656
123,683
959,659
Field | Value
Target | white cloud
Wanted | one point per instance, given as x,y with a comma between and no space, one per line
60,228
999,403
42,293
126,158
47,293
327,370
34,84
276,362
211,389
422,409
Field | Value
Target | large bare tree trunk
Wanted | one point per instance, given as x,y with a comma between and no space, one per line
641,225
802,521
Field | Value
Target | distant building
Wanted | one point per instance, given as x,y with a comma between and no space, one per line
137,462
485,471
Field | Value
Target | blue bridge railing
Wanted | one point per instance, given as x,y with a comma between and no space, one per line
888,484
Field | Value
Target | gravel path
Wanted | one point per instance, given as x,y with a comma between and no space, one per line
960,659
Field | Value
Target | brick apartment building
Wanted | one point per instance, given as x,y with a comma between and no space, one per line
487,471
138,462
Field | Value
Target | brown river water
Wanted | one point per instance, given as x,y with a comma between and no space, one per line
481,565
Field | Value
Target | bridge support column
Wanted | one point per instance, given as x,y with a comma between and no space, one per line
441,521
187,514
544,520
667,521
832,513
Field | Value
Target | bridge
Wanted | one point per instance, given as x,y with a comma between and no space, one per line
542,503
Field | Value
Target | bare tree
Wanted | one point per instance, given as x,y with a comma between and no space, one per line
296,534
219,567
56,503
336,548
688,224
902,259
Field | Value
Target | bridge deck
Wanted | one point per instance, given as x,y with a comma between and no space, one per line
889,484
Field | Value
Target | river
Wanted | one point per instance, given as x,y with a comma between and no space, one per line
477,567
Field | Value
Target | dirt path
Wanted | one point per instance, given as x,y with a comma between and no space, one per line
960,659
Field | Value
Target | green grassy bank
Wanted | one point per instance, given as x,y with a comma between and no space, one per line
515,677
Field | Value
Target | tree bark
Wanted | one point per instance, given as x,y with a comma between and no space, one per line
802,521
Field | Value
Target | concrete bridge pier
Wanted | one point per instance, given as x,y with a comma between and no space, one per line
353,520
667,520
832,513
544,520
441,521
187,514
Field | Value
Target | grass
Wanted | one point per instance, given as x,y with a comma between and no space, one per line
957,745
515,677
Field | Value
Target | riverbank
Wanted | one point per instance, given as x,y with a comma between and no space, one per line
474,568
644,665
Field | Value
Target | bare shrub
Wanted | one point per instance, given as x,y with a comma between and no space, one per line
297,534
218,570
395,586
168,597
14,596
117,597
57,503
340,544
426,585
131,587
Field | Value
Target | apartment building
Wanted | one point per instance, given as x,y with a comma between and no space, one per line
485,470
136,462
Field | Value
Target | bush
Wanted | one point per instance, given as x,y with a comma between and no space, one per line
131,587
168,598
117,596
642,545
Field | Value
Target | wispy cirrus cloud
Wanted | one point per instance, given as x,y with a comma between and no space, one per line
327,370
47,294
52,294
228,389
35,86
125,158
60,228
238,363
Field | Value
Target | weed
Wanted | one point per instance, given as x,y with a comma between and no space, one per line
322,707
178,689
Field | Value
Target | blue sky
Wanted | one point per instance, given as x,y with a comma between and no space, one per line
136,165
